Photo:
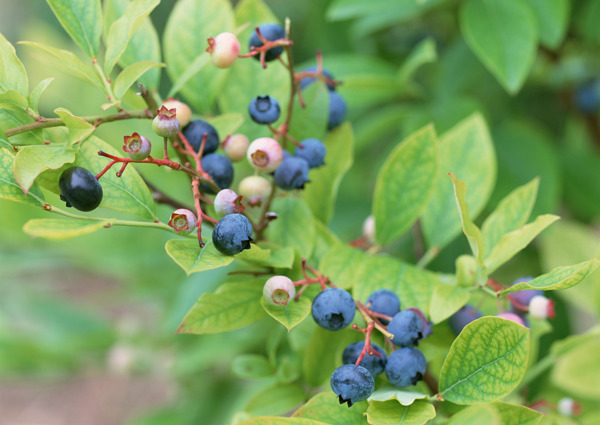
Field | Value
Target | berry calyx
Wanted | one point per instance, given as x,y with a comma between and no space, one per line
270,32
194,133
220,170
292,174
80,189
313,151
223,49
278,290
333,309
165,123
235,147
255,189
138,147
352,383
232,234
265,154
228,202
405,366
183,111
183,221
326,76
264,109
372,363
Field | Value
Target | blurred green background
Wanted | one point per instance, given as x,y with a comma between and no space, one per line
89,322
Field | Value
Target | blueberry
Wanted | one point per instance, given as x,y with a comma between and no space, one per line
373,364
337,110
522,298
232,234
80,189
219,168
194,133
587,98
264,109
352,383
405,366
307,81
313,151
463,317
292,174
384,301
333,309
407,328
270,32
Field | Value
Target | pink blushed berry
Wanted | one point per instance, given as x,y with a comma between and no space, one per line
183,111
223,49
166,124
513,317
228,202
255,190
265,154
278,290
235,147
138,147
568,407
183,221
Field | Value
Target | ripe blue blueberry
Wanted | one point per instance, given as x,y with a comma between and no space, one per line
194,133
407,328
219,168
405,366
80,189
313,151
522,298
352,383
264,109
587,98
232,234
337,110
307,81
292,174
333,309
373,364
384,301
463,317
270,32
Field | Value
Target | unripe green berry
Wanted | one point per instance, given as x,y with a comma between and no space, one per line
278,290
255,190
236,146
166,124
183,111
138,147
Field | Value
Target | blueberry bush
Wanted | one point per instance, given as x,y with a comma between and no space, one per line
340,205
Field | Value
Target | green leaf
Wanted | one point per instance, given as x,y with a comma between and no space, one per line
267,254
127,193
59,229
10,189
577,370
185,55
310,121
447,300
342,264
323,354
512,213
423,53
33,160
226,124
79,129
486,361
325,407
4,143
278,420
72,63
276,400
11,118
13,99
560,278
130,75
232,306
467,151
470,230
82,20
392,413
406,398
476,415
288,315
321,192
503,35
192,259
552,18
294,227
252,366
37,91
512,414
12,72
515,241
405,184
123,29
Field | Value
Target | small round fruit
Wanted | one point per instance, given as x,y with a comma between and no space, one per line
407,328
405,366
183,221
333,309
278,290
232,234
373,364
587,98
264,109
265,154
512,317
541,307
313,151
337,110
223,49
235,147
307,81
368,229
384,301
352,383
228,202
138,147
165,123
219,168
271,32
255,189
463,317
292,174
194,133
80,189
183,111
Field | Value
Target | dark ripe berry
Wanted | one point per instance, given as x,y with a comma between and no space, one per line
313,151
405,366
264,109
373,364
333,309
232,234
384,301
219,168
80,189
337,110
587,98
463,317
194,133
307,81
270,32
352,383
407,328
292,174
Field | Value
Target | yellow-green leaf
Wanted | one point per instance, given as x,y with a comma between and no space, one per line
288,315
393,413
10,189
58,229
470,229
130,75
193,259
79,129
33,160
82,20
12,72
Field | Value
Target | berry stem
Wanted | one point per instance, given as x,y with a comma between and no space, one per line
150,102
367,348
364,311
